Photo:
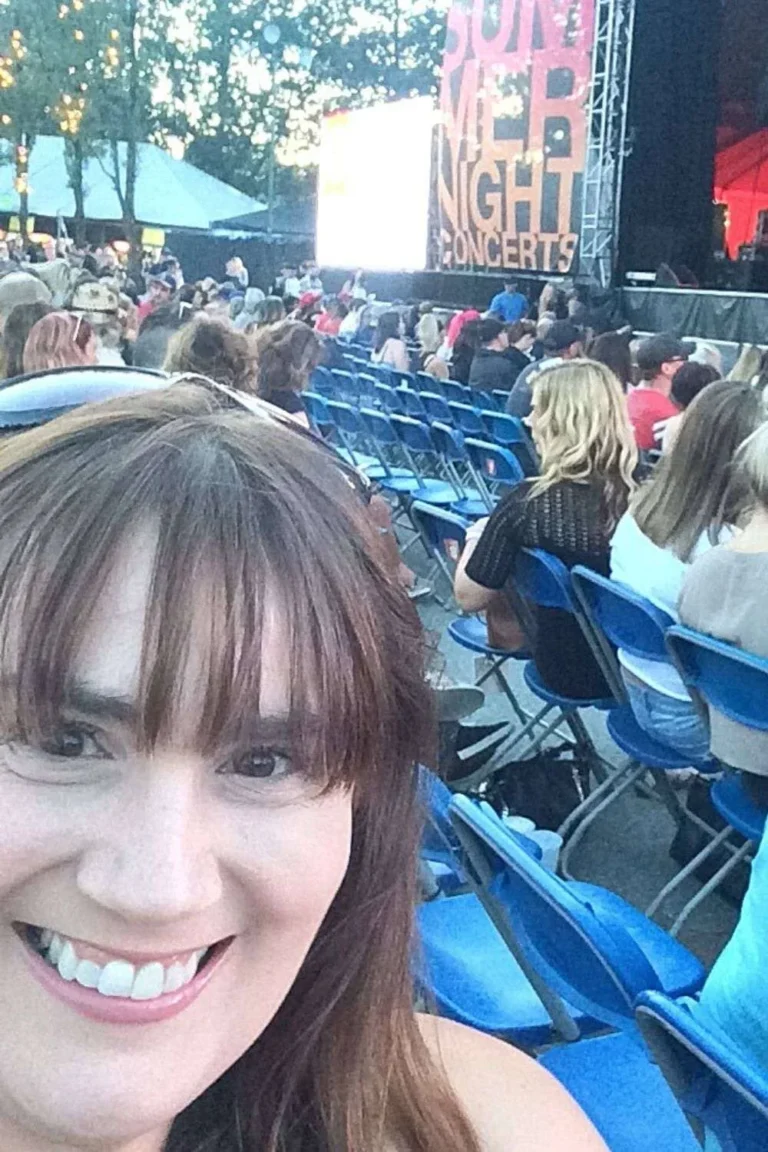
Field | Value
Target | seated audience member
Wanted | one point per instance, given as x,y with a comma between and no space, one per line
429,333
463,352
21,320
328,323
354,288
389,346
286,356
521,336
588,457
747,366
59,340
349,328
455,326
724,595
564,341
214,711
510,305
650,406
271,310
247,318
211,347
491,369
687,507
687,382
612,349
156,331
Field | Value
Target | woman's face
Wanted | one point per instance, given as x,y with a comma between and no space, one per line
128,865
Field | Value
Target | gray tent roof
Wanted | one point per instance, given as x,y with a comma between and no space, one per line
169,193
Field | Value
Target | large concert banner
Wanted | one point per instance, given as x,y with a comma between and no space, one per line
513,133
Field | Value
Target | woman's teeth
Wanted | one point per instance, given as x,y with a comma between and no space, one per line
118,977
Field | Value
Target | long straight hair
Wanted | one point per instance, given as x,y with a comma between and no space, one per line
583,434
244,509
696,490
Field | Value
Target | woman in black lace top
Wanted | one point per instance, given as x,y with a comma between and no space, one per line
580,426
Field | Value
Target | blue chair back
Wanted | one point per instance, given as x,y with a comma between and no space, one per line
455,392
628,620
501,399
590,961
379,427
382,373
346,418
445,532
730,680
403,379
415,435
426,382
496,465
367,387
321,381
485,401
510,432
467,419
412,403
318,412
720,1089
436,407
345,381
388,399
449,442
543,579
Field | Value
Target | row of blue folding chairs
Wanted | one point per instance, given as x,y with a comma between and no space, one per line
604,996
506,432
611,616
346,383
414,460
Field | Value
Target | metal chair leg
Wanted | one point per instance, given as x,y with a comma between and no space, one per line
711,884
688,870
578,835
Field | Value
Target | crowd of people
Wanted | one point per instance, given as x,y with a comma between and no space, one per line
219,554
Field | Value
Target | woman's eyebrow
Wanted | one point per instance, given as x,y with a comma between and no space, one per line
98,705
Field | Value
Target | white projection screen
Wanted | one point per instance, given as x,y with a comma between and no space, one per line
374,187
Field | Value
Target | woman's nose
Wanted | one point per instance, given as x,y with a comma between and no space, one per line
155,858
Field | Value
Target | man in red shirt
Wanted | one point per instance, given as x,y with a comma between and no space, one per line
658,358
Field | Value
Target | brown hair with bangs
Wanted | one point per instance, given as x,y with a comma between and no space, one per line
245,509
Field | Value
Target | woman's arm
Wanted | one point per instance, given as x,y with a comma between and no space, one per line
470,596
400,359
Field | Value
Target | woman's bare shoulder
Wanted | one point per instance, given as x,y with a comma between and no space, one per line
514,1104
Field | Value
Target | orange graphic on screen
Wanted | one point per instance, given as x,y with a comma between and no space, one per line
513,138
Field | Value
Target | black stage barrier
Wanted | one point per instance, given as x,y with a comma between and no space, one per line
452,289
736,316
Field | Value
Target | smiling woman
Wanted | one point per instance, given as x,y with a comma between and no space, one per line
211,711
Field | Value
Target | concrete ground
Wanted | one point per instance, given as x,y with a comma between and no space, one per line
627,848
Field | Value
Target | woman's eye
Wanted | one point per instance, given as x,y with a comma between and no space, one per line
262,764
72,742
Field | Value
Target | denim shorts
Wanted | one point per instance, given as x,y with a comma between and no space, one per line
675,723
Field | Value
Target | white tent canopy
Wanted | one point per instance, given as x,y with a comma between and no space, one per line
169,193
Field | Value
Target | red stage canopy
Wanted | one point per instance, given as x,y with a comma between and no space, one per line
741,182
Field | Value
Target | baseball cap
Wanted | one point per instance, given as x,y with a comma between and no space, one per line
658,350
561,335
163,278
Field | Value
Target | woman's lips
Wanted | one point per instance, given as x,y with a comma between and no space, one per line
122,1009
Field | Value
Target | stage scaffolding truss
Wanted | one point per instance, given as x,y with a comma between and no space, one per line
606,140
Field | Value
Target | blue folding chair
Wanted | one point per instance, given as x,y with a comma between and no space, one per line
436,407
483,401
413,405
494,469
597,957
542,580
421,455
318,414
735,683
397,479
389,400
383,374
468,419
366,385
444,535
351,431
718,1087
510,432
456,393
426,382
321,381
403,379
619,618
345,383
501,399
454,465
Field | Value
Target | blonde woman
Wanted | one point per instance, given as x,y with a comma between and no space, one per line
588,456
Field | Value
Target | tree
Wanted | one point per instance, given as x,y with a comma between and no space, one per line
30,79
